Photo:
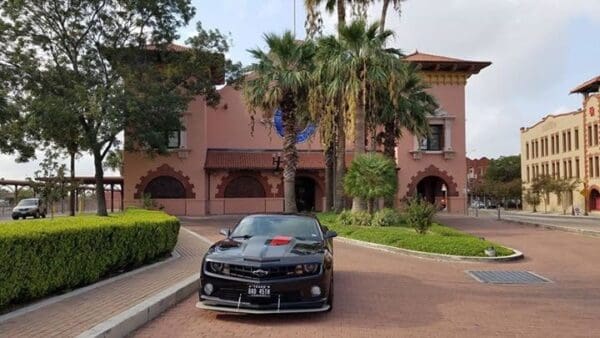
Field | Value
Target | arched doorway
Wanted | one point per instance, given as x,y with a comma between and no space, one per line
244,187
594,200
165,187
431,188
305,193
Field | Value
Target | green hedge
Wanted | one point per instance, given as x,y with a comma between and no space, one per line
41,257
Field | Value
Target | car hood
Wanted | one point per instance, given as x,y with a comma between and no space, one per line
262,249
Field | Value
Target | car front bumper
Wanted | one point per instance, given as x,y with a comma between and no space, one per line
23,213
287,296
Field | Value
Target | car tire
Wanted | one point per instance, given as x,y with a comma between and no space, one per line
330,296
15,218
44,215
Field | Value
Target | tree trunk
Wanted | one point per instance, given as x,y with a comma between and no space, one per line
386,4
72,187
389,140
329,174
290,155
358,204
100,198
340,169
341,12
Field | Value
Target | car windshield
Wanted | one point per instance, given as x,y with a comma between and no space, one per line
278,225
27,203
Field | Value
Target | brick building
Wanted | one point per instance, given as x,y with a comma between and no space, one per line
216,166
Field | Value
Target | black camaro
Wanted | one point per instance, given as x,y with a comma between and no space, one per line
270,263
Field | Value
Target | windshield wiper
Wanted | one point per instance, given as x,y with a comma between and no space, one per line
241,236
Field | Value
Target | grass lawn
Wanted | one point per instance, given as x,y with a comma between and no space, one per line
439,239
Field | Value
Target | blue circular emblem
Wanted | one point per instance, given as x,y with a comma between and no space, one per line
302,136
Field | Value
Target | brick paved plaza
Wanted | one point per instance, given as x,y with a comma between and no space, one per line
384,294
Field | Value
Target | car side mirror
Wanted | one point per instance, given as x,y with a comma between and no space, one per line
330,234
225,232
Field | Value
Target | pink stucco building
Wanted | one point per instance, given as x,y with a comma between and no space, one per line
218,166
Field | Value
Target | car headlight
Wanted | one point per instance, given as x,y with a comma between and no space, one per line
310,268
216,267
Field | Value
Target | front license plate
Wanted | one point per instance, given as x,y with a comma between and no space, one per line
259,290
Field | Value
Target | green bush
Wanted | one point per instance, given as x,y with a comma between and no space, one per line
371,176
360,218
387,217
419,214
345,218
41,257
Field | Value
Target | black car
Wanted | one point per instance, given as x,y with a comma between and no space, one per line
29,207
270,263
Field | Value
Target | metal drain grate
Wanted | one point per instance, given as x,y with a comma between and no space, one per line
507,277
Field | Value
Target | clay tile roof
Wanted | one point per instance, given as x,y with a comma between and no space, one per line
418,56
430,62
590,86
261,159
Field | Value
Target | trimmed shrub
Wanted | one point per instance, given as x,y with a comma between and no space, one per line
387,217
419,214
345,218
360,218
41,257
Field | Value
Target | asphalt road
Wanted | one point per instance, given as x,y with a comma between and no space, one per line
389,295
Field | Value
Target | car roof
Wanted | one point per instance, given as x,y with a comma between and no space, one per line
299,214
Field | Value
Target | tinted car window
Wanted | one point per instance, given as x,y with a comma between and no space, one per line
282,225
28,203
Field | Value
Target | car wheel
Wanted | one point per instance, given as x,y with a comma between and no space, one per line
330,296
15,217
44,215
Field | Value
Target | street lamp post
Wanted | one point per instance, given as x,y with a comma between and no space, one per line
445,190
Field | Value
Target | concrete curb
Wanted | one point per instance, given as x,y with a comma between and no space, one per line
539,214
135,317
138,315
554,227
439,257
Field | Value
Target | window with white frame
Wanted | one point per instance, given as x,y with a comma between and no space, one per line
435,140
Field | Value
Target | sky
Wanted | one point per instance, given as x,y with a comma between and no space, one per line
539,49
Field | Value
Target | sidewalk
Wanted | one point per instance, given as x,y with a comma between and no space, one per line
79,312
541,213
587,225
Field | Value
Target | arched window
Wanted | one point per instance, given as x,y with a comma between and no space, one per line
244,186
165,187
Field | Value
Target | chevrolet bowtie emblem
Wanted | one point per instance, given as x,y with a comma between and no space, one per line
260,273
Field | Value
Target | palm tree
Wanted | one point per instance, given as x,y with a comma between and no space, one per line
352,68
280,81
408,109
384,9
332,127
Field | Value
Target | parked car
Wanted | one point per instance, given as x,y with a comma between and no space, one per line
29,207
269,263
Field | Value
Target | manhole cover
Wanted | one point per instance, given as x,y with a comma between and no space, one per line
507,277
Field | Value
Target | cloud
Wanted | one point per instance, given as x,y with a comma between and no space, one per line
528,42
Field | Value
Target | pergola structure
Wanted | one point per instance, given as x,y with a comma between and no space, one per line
85,183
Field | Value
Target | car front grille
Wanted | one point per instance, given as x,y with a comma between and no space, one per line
250,272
